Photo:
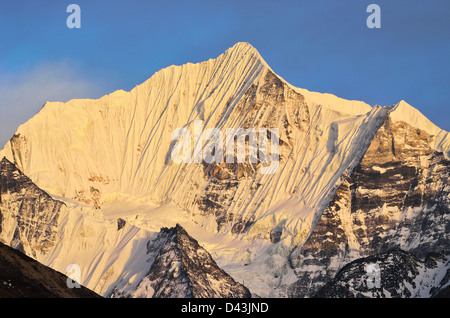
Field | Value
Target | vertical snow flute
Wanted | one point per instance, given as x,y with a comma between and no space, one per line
235,146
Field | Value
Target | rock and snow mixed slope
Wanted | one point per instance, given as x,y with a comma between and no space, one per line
28,215
397,197
109,159
401,275
61,234
181,268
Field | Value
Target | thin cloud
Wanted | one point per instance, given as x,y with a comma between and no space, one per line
22,95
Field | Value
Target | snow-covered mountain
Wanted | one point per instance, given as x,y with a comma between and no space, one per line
353,180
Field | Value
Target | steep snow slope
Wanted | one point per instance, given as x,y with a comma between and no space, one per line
94,151
120,142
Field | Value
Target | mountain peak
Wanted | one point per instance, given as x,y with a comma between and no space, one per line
404,112
244,51
407,113
243,46
182,268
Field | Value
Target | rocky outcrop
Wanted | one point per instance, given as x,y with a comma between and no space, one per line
396,198
268,104
183,269
394,274
28,215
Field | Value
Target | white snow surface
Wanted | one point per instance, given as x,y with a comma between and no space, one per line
118,146
406,113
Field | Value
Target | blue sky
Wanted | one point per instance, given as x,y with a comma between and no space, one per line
321,45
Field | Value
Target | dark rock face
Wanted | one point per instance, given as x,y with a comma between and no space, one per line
395,274
23,277
120,223
17,142
270,104
28,209
396,198
444,293
183,269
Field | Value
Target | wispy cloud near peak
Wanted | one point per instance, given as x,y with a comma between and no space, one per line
23,94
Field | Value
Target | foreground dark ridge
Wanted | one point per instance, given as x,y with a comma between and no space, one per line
23,277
